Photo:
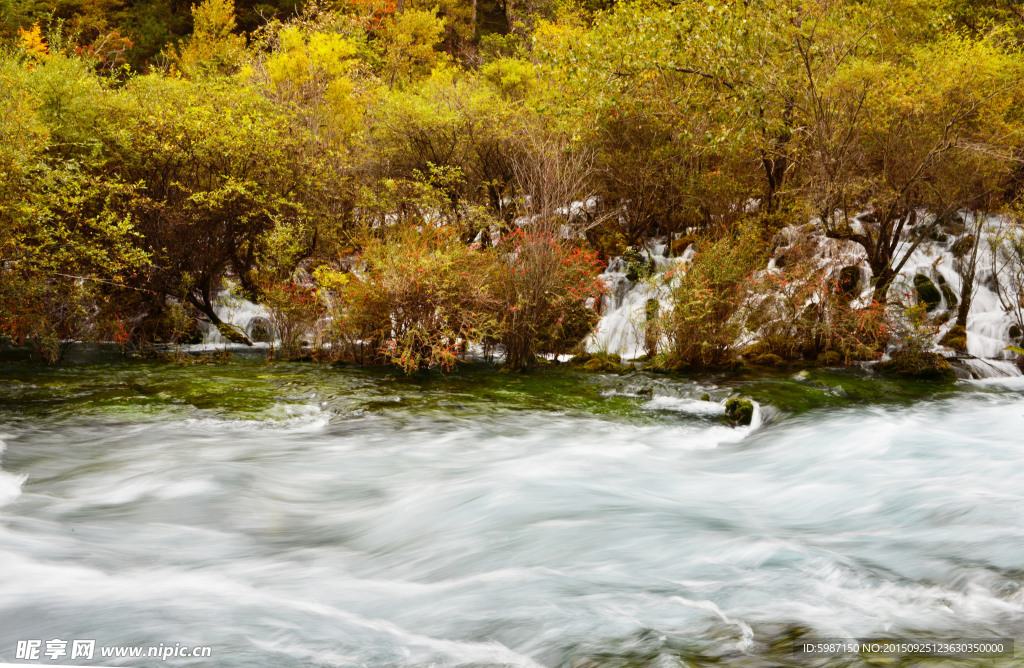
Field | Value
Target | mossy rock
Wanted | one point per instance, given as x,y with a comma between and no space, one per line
603,364
755,350
927,293
956,338
680,245
233,334
951,299
830,358
580,359
918,366
963,246
740,411
951,223
1015,332
638,265
261,330
769,359
668,366
705,397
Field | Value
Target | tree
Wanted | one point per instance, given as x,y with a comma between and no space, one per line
213,47
883,138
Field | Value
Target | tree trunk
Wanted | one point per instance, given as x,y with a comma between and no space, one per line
968,273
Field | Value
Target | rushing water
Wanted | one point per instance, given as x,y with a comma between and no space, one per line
290,515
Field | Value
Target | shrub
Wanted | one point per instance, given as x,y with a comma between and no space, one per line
419,297
296,314
800,311
702,327
548,292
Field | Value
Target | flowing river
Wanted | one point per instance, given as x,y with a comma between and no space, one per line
294,515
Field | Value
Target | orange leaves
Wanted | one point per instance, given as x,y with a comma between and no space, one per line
33,42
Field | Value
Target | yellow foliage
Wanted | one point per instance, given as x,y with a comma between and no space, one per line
33,42
410,43
213,46
326,55
330,279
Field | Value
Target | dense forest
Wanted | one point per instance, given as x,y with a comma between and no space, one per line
394,180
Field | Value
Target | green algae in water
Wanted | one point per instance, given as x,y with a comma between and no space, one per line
253,390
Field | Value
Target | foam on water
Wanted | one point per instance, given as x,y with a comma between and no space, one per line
10,485
516,537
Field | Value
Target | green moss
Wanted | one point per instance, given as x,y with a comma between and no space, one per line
951,299
768,359
601,363
963,246
580,359
927,293
638,265
956,338
755,350
705,397
680,245
829,358
739,411
233,334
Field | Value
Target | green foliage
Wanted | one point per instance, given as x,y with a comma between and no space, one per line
296,314
408,45
252,150
703,327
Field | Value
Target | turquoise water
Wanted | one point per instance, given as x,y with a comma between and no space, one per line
295,515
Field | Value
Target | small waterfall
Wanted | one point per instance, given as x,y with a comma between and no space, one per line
990,321
244,315
623,323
